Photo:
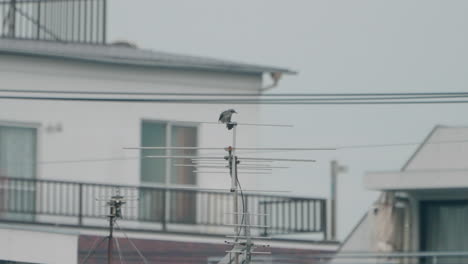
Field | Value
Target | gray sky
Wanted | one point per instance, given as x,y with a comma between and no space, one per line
337,46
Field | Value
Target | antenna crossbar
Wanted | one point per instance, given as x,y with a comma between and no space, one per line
248,124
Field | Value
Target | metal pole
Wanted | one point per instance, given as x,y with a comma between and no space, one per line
80,204
234,188
12,19
335,168
104,22
333,198
109,245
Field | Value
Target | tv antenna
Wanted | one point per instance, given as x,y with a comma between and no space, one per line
244,243
115,204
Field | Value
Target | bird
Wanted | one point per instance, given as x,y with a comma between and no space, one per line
225,118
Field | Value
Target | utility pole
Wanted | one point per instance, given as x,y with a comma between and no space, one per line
234,180
115,205
11,20
335,169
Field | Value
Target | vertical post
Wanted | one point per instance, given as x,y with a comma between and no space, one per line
109,245
323,217
265,219
104,22
163,210
38,26
12,19
333,198
80,204
234,187
335,168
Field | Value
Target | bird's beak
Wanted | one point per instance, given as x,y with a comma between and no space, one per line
235,112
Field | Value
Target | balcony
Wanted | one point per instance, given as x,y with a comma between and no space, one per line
78,21
155,209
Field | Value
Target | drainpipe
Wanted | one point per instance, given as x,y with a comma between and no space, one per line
404,202
275,76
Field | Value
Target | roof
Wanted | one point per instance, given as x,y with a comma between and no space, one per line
444,148
413,156
438,163
126,55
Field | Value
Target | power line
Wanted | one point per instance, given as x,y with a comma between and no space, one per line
234,101
434,94
343,147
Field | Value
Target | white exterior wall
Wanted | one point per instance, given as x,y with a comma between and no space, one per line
437,171
99,130
38,247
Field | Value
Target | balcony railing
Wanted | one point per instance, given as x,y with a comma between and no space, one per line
57,20
155,208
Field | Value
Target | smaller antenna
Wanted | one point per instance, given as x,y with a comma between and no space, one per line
115,204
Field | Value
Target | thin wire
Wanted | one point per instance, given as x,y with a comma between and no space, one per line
234,101
90,160
119,251
240,94
129,240
93,249
344,147
243,207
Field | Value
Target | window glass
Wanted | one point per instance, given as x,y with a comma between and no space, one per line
153,135
181,203
444,228
18,160
17,152
183,136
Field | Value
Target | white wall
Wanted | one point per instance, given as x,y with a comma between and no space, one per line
446,148
94,130
38,247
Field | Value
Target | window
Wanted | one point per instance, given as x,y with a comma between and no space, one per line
158,134
153,135
444,228
17,160
17,152
181,205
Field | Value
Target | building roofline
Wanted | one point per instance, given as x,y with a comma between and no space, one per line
426,140
127,56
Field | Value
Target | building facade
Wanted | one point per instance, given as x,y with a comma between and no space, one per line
67,116
421,216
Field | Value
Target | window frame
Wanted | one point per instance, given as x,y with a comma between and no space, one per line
38,134
169,124
34,125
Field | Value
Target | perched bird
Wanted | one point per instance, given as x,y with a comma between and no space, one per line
225,118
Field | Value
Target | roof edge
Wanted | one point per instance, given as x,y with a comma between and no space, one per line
426,140
211,64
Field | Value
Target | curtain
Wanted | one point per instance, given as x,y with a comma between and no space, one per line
444,227
183,204
183,137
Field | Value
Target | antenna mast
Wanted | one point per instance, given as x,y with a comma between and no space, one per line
115,206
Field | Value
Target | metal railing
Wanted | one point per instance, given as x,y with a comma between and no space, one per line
419,257
154,208
422,257
58,20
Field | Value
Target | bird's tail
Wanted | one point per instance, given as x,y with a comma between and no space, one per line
229,126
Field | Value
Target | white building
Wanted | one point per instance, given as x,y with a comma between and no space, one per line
62,144
70,103
423,211
54,132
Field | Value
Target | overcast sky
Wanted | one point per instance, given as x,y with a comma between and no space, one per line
336,46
